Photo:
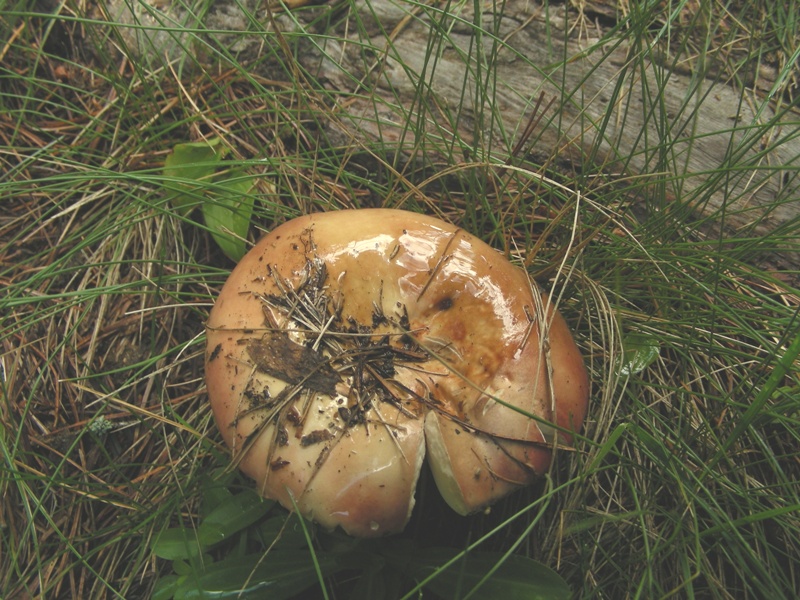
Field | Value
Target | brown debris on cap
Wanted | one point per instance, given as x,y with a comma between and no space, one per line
346,345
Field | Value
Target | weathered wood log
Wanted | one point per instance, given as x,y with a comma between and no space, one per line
705,142
732,155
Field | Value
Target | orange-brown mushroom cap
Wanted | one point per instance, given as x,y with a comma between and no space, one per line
346,345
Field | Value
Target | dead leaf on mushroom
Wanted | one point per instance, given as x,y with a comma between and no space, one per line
277,355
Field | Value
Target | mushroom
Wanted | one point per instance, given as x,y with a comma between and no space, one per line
347,346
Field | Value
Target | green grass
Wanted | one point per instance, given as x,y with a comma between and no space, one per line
686,482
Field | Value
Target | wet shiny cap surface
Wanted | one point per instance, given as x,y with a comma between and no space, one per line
346,347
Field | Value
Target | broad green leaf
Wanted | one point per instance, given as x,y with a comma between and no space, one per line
227,213
638,353
282,531
486,575
241,511
188,164
176,543
214,493
379,580
165,587
371,585
181,567
276,576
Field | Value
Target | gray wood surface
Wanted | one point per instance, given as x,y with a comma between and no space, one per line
708,124
616,107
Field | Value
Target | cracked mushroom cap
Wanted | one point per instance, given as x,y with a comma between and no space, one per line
347,346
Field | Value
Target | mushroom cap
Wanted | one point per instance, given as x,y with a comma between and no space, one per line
345,345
